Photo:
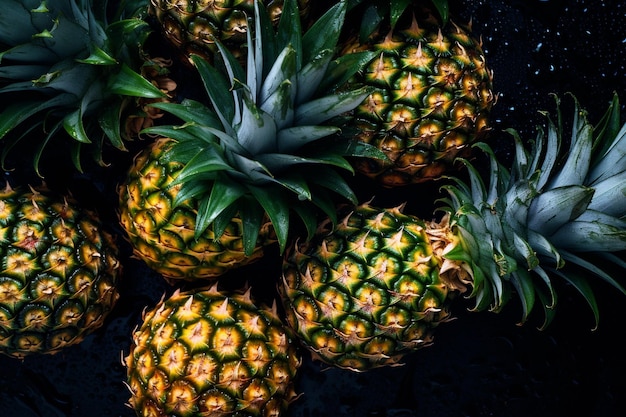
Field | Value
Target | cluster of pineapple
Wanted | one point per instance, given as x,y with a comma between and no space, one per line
301,100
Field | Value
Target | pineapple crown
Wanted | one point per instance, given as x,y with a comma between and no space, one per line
263,147
555,211
65,66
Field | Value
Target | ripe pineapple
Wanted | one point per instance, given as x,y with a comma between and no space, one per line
432,91
194,26
209,353
66,73
371,290
59,272
260,153
162,233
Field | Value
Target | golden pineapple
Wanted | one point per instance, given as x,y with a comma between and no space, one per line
231,178
209,353
432,97
194,26
59,272
367,292
162,234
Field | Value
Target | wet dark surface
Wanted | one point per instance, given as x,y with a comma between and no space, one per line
481,364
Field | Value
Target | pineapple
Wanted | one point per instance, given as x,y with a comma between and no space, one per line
432,96
194,27
68,71
162,234
59,272
372,289
260,152
211,353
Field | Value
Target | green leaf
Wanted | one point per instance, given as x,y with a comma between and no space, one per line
190,111
73,124
322,199
219,91
279,106
207,160
324,33
98,57
556,207
312,75
443,10
266,46
16,113
277,209
224,219
356,148
373,15
295,183
289,32
109,121
330,179
340,70
319,110
129,83
606,129
252,216
283,70
224,192
522,282
278,162
308,216
293,138
256,132
582,286
397,8
548,303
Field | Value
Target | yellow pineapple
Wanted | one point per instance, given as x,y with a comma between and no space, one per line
162,234
59,272
433,93
211,353
226,180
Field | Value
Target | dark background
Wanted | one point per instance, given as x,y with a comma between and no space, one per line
481,364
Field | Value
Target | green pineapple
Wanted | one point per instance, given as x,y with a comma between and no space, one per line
69,72
59,272
372,289
211,353
432,90
262,151
194,27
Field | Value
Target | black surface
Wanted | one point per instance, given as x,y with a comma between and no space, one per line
481,364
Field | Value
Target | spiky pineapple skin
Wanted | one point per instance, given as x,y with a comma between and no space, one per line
163,236
193,26
208,353
433,95
365,293
59,276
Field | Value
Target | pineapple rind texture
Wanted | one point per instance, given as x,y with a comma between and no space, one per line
162,234
208,353
59,272
433,94
367,292
194,27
